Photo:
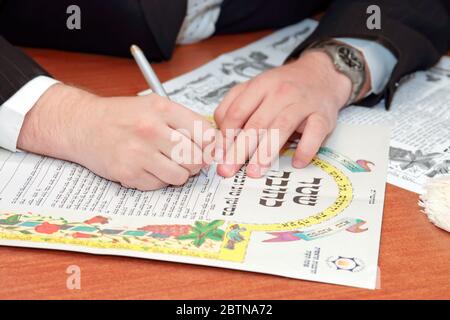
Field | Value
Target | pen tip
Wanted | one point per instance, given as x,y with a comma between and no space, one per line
134,48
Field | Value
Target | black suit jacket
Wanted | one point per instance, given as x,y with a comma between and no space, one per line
416,31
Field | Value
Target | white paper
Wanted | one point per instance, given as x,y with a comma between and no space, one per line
321,223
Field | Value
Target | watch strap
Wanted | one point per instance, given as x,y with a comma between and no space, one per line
346,60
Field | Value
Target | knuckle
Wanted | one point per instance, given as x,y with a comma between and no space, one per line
165,106
322,122
286,88
160,105
256,123
146,129
236,113
284,121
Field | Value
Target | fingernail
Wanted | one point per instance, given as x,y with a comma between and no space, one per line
298,164
228,171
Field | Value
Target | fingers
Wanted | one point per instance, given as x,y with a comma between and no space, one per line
243,106
225,140
271,143
167,171
181,150
151,170
221,110
197,130
144,181
248,139
239,151
317,128
194,126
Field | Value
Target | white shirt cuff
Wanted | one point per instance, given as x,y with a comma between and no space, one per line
13,111
380,60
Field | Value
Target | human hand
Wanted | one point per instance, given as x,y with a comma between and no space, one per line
301,97
125,139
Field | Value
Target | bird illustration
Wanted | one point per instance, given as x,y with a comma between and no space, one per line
365,165
234,236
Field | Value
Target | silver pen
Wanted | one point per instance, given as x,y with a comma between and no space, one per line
147,71
151,77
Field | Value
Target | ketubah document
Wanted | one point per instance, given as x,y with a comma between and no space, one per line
321,223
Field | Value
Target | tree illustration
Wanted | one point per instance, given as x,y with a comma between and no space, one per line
204,230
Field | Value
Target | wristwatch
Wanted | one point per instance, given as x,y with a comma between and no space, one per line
348,61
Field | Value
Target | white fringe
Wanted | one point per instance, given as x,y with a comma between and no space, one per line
436,202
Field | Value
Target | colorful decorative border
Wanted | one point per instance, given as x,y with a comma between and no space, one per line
205,239
220,240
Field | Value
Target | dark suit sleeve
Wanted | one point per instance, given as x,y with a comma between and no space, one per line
16,69
416,31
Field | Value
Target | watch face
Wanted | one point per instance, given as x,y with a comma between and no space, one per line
350,58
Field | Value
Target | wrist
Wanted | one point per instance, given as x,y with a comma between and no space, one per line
337,86
58,123
350,62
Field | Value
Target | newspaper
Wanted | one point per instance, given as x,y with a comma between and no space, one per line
320,223
420,122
